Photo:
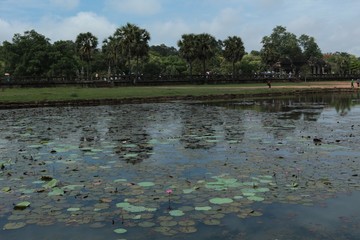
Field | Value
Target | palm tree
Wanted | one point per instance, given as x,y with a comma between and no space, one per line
111,48
206,46
234,50
86,44
187,49
133,42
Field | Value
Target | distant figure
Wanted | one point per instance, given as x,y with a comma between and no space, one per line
352,83
358,82
269,83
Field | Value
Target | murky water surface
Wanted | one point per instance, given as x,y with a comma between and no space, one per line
247,169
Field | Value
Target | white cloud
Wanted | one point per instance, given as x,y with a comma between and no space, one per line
66,4
139,7
168,32
226,23
8,29
69,28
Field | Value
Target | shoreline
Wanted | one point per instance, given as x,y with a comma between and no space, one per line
310,89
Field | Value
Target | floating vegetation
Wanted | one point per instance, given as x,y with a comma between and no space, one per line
22,205
120,230
182,168
176,213
221,200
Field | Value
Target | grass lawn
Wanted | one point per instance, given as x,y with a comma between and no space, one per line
87,93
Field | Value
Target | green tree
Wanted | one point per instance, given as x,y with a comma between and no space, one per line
164,50
310,48
134,43
2,61
206,48
164,60
65,63
311,53
234,51
251,64
281,48
188,49
354,65
86,44
111,50
27,55
340,63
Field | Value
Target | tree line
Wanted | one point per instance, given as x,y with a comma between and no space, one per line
127,52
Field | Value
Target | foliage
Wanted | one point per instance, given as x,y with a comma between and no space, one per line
27,55
234,50
127,51
343,63
133,44
281,47
251,64
64,60
187,49
86,44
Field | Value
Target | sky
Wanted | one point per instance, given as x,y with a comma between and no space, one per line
333,23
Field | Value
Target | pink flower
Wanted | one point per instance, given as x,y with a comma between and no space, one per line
169,191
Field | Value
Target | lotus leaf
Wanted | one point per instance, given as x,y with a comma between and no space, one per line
72,187
168,223
74,209
146,184
6,189
56,192
14,225
238,197
134,209
188,190
131,155
221,200
27,191
206,208
22,205
147,224
176,213
120,230
51,184
187,222
256,198
187,229
212,222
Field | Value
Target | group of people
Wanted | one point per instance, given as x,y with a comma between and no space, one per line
357,82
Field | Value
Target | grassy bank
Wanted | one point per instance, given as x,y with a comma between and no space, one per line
74,93
19,95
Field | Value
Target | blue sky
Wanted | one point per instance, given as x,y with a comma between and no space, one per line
333,23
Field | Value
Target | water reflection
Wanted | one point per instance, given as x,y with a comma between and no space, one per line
301,107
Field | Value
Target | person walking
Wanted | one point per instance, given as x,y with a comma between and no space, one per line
269,83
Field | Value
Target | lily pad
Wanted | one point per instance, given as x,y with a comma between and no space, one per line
206,208
74,209
256,198
147,224
120,230
51,184
188,229
176,213
146,184
22,205
221,200
56,192
6,189
14,225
